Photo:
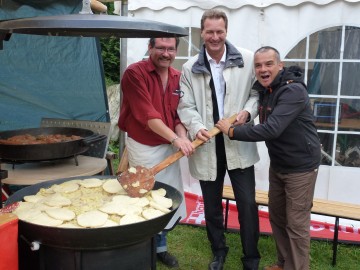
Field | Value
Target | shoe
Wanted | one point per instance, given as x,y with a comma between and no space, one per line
217,263
273,267
167,259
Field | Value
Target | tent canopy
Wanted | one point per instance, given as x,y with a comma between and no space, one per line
208,4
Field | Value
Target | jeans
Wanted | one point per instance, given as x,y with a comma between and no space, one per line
161,244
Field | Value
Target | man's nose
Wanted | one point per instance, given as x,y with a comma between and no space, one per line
215,36
262,68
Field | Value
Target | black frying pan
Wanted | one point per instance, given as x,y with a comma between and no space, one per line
50,151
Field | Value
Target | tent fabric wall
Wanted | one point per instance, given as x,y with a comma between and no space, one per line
252,24
208,4
52,77
278,25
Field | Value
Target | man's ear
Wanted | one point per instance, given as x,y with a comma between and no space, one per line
281,65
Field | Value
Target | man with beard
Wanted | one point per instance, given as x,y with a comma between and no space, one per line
148,115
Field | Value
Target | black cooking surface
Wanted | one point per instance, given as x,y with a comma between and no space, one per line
89,25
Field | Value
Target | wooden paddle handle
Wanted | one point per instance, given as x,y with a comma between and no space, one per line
124,162
179,154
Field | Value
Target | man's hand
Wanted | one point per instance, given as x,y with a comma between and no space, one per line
242,118
184,144
223,125
203,135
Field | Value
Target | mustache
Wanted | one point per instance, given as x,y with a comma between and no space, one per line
164,58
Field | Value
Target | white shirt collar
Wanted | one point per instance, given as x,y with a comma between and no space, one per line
222,60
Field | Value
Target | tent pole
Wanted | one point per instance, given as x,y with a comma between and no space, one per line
123,66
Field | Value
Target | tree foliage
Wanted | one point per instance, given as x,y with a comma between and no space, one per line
110,52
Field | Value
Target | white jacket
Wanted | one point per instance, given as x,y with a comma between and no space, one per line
196,109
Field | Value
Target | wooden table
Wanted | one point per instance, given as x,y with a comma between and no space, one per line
33,173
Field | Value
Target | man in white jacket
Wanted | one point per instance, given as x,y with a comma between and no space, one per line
216,84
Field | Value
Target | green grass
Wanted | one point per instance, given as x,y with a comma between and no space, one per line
191,247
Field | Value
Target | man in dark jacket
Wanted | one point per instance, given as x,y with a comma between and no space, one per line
286,126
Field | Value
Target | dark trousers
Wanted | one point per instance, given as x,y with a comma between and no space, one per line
243,183
290,202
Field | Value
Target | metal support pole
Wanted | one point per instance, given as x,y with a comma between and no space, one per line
3,175
123,66
336,240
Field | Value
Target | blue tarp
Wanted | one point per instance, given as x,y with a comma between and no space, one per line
49,77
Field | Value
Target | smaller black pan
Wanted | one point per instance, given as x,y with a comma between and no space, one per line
49,151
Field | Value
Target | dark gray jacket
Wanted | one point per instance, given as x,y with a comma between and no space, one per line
286,124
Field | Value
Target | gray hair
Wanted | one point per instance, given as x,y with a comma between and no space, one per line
269,48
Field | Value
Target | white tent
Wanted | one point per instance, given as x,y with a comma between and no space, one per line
281,24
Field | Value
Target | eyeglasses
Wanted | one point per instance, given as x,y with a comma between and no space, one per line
164,49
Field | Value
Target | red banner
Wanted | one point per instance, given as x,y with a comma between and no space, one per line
318,229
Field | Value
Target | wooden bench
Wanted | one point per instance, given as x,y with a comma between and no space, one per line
320,206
